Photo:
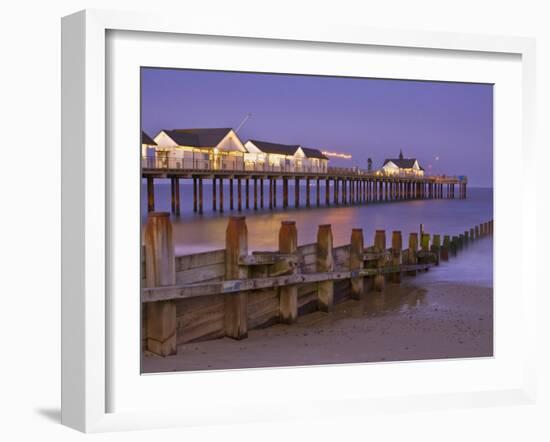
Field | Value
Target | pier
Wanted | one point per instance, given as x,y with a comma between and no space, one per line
253,187
226,292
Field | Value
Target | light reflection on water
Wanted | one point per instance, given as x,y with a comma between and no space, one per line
194,233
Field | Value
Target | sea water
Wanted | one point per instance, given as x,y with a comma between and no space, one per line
195,233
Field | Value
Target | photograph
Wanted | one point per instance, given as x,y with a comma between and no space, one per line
293,220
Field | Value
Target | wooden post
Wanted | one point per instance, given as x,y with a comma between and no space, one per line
356,262
285,192
177,189
288,295
318,194
460,241
172,195
444,255
261,193
239,195
472,234
231,205
255,193
436,248
307,191
221,194
477,231
396,249
421,230
454,245
296,192
200,196
271,193
150,194
247,192
325,263
412,252
425,242
160,270
194,194
380,247
214,205
466,237
236,246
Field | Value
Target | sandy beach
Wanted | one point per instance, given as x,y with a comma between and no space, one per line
405,322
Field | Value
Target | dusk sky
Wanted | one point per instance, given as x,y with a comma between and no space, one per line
448,127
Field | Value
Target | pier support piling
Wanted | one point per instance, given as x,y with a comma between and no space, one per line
150,194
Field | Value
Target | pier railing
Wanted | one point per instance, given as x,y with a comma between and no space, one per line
225,293
237,164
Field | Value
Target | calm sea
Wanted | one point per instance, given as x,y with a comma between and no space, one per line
195,233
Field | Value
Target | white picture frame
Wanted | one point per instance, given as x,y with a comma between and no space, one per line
85,201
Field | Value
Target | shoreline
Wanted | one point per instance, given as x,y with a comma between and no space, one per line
406,322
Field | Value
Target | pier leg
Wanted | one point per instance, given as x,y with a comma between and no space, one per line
396,250
296,192
255,193
247,193
231,205
335,191
327,191
150,194
380,246
236,246
200,196
194,194
239,195
356,262
261,193
271,193
288,295
318,194
221,195
172,195
325,263
274,192
345,191
160,271
177,189
285,193
307,191
214,193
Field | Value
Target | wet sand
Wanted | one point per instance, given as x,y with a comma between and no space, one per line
405,322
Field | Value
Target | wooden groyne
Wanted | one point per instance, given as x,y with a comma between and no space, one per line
334,187
225,293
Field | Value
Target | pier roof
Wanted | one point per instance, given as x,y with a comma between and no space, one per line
281,149
206,137
314,153
402,163
146,139
287,149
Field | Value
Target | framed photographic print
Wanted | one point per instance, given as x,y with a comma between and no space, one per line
249,215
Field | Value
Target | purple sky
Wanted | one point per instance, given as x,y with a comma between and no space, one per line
365,117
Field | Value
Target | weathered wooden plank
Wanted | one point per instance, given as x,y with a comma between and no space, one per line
201,274
195,260
200,319
244,285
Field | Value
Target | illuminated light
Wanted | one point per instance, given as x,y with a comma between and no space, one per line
344,156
